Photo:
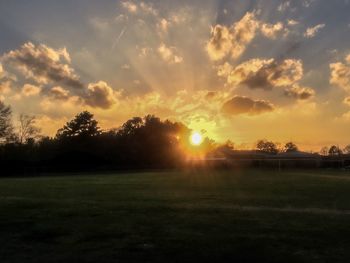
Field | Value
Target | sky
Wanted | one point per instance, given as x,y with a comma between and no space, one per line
235,70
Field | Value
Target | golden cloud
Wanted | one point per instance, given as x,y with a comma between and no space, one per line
232,40
347,101
340,74
272,30
30,90
263,73
299,93
169,54
2,73
5,87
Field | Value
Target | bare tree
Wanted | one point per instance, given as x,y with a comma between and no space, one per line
27,129
6,128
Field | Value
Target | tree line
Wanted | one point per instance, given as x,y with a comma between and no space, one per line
80,144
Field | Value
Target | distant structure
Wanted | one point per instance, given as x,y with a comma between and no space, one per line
284,160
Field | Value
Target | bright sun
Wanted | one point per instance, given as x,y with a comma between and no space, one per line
196,138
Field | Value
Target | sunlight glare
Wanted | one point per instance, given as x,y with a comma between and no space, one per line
196,138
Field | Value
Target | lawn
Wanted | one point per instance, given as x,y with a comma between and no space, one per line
216,216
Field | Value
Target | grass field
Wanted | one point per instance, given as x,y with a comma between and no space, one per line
226,216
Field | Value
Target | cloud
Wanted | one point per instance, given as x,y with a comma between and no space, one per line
312,31
292,22
220,43
169,54
272,30
347,101
146,8
51,67
163,25
244,105
99,24
263,73
307,3
2,72
299,93
347,59
30,90
44,64
283,6
130,6
125,67
340,74
144,51
59,93
5,87
100,95
232,40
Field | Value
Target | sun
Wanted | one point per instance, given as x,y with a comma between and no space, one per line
196,138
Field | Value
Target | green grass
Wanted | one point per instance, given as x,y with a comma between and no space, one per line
226,216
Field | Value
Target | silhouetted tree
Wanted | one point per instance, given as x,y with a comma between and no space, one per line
83,125
267,147
6,127
335,151
131,126
149,141
290,147
324,151
27,130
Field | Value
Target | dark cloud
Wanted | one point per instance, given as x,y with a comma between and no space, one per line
275,73
299,93
244,105
263,74
100,95
52,67
59,93
44,65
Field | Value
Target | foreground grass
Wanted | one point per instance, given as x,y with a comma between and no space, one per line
177,217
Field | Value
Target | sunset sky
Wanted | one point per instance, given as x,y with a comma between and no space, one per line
240,70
